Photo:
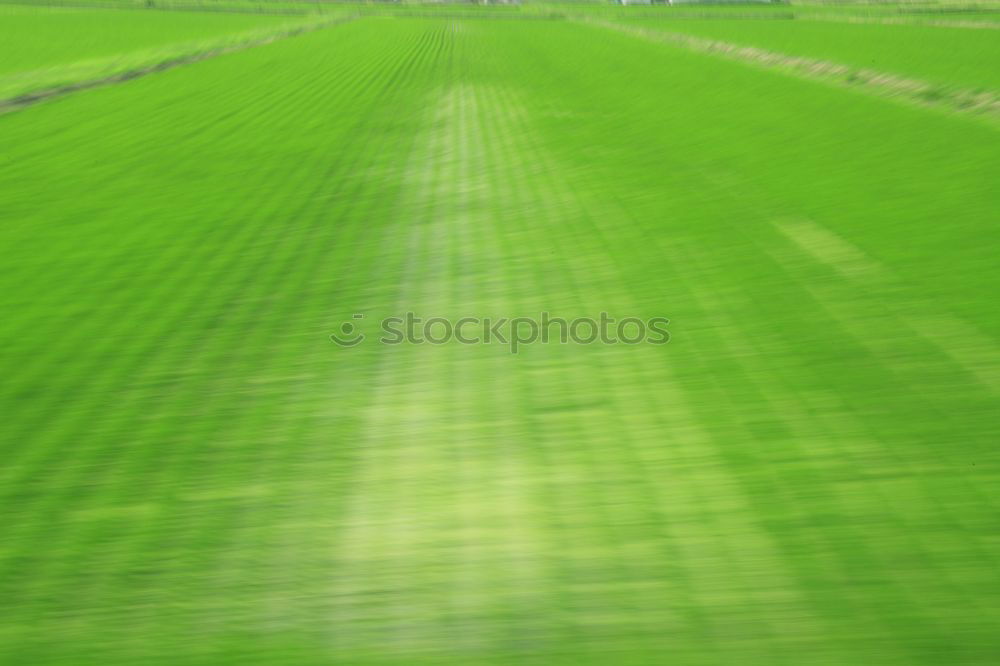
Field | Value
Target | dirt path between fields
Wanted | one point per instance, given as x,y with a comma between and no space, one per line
19,102
982,103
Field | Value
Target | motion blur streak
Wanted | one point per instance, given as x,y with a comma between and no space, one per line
193,471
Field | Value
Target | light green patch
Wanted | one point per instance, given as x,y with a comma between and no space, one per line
126,512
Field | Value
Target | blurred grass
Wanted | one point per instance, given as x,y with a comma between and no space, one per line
951,57
51,49
194,474
32,38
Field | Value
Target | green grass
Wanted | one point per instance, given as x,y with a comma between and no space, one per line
32,39
194,474
54,48
962,57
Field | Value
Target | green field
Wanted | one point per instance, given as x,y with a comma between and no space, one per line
943,55
47,48
61,37
194,473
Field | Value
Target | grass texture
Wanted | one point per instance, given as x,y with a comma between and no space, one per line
947,56
43,49
194,474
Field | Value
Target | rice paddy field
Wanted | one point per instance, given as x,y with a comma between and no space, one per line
194,472
912,49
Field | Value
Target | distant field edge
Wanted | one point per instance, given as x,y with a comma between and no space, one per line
211,8
891,20
979,103
23,100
